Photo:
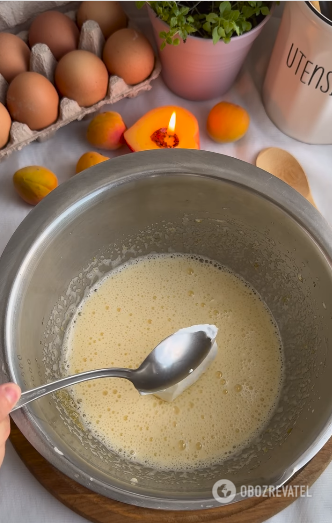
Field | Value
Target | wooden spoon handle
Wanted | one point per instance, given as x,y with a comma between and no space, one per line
316,5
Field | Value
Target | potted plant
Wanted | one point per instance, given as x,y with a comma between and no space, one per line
202,45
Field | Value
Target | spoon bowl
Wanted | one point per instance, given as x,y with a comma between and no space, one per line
285,166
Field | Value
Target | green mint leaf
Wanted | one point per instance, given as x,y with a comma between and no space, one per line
215,35
225,7
176,41
139,5
221,32
228,26
211,17
265,10
190,29
234,15
163,45
183,34
163,34
207,27
173,21
246,26
247,11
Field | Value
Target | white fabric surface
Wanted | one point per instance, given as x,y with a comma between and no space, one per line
22,498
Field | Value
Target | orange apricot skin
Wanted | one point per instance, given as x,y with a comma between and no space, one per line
227,122
33,183
88,160
106,130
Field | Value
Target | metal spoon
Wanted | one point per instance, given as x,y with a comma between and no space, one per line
169,363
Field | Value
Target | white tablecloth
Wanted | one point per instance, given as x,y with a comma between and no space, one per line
22,498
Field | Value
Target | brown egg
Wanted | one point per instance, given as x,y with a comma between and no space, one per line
5,123
33,100
109,15
82,76
14,56
55,30
128,54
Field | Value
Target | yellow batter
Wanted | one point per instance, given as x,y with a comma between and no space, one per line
128,314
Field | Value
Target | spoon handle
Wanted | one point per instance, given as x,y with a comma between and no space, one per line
38,392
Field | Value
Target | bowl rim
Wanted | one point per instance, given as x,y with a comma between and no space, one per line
78,191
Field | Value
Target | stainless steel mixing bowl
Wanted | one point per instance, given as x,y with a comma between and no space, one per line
162,201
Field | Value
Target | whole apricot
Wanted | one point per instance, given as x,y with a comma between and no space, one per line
33,183
106,130
227,122
88,160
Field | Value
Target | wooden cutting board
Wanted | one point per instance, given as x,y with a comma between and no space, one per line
99,509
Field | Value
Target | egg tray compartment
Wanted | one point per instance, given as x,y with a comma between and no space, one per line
43,62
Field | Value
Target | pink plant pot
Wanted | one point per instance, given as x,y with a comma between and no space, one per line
199,69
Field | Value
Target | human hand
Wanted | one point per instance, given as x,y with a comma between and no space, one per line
9,395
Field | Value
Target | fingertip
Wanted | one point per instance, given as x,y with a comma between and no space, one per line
11,392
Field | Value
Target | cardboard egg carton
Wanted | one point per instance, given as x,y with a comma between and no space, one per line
43,62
